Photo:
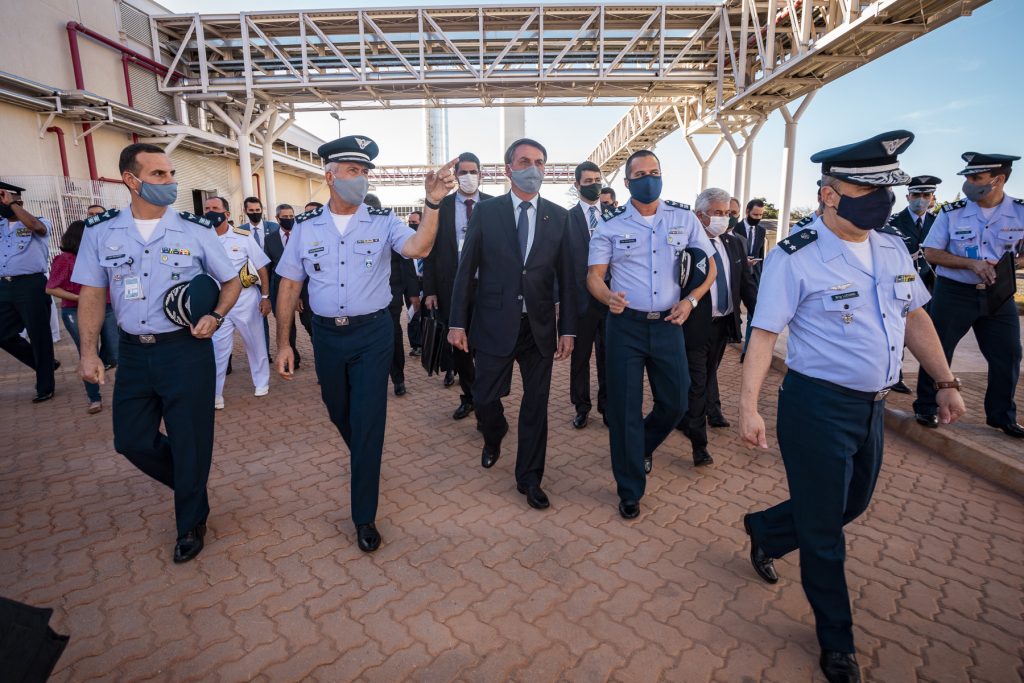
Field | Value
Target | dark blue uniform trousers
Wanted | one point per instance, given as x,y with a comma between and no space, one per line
831,445
173,381
352,364
633,345
24,304
957,307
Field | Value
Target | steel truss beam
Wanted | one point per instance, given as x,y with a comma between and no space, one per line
490,174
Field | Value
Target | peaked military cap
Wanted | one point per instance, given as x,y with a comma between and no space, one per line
923,183
986,163
358,148
872,162
693,270
11,188
187,302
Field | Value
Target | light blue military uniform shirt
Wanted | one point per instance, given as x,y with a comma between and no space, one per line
113,254
962,230
348,275
23,252
846,325
643,259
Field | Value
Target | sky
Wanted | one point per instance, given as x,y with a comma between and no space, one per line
958,89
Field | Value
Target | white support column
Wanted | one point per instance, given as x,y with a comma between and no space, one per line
788,150
241,128
269,178
513,125
748,167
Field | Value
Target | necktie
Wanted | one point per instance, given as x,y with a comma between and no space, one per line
469,209
593,220
920,223
753,235
523,228
721,287
286,237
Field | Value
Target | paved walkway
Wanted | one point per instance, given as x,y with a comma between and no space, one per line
471,584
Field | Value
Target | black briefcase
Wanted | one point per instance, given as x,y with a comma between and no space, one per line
434,337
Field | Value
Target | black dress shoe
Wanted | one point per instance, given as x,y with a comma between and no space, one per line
901,388
930,421
368,537
648,464
535,497
839,667
718,421
399,388
449,379
580,421
1012,429
230,369
629,509
56,364
42,397
463,411
489,456
416,352
190,545
763,565
701,457
604,418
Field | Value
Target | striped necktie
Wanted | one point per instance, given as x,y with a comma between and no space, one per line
593,220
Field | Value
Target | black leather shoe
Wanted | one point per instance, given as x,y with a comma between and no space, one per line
718,421
368,537
463,411
901,388
604,418
449,379
399,388
629,509
930,421
42,397
648,464
190,545
535,497
56,364
1012,429
416,352
701,457
839,667
230,369
763,565
581,419
489,456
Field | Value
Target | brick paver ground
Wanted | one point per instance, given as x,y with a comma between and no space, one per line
470,584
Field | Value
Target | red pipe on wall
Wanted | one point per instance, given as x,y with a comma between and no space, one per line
59,132
76,65
136,57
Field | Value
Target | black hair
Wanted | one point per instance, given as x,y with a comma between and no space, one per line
223,201
417,212
755,202
636,155
252,200
95,206
510,152
315,205
467,156
128,161
608,190
586,166
282,207
72,237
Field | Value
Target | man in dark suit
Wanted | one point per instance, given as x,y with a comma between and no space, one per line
751,230
273,246
440,266
716,320
518,244
583,221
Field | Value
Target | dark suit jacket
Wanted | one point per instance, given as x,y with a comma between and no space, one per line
274,248
492,248
755,235
912,237
579,232
742,288
403,280
443,260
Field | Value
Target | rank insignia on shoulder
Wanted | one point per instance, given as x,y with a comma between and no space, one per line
806,220
798,240
198,220
100,217
893,217
241,231
309,214
612,213
953,206
678,205
1019,202
890,230
378,212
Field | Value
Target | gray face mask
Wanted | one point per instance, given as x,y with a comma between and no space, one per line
976,192
528,179
158,195
352,190
919,206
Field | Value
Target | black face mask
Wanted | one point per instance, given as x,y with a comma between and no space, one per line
414,226
752,222
286,223
255,218
215,217
590,192
7,211
733,222
868,212
607,206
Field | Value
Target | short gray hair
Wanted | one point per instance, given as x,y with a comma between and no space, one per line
712,195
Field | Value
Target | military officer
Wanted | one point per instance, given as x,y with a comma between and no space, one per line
253,305
24,305
165,372
968,238
849,293
640,244
343,250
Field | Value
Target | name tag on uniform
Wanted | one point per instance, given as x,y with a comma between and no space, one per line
315,250
23,232
625,240
906,278
114,256
132,288
368,241
845,295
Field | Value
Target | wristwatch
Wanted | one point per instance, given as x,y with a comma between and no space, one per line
431,205
955,384
692,300
265,296
218,317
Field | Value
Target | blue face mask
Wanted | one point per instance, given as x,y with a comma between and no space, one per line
158,195
869,211
528,179
352,190
919,205
645,189
975,192
215,217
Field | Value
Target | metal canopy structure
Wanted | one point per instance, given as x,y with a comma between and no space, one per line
490,174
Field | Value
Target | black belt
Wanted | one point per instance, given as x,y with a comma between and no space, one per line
12,278
963,285
148,339
644,315
855,393
349,320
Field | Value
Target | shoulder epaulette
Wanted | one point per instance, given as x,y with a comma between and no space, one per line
806,220
890,230
378,212
678,205
309,214
1019,201
612,213
100,217
953,206
198,220
240,230
798,240
892,218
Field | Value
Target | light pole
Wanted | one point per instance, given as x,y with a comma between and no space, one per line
339,118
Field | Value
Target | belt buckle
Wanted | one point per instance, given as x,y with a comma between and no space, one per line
980,286
341,322
147,339
654,315
8,278
881,394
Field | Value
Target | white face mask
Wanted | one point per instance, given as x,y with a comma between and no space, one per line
469,182
718,225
